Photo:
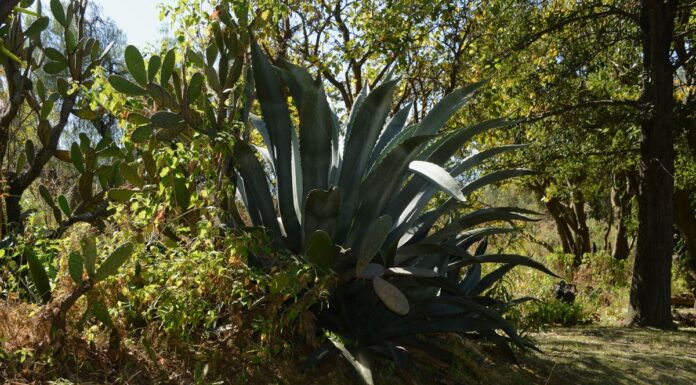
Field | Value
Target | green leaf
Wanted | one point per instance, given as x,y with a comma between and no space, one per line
195,86
194,58
38,274
391,296
38,26
58,12
70,40
320,250
131,175
136,65
374,239
166,119
64,205
101,313
55,55
114,261
46,109
55,67
153,67
75,267
89,253
29,150
120,194
77,158
142,134
125,86
43,191
167,67
439,177
181,193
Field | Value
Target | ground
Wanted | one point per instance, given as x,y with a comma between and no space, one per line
610,355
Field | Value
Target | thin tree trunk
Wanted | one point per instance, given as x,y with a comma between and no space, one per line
685,220
621,208
649,303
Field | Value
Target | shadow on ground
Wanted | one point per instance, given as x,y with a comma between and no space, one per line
610,355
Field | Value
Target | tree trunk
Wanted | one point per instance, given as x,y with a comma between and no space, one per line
649,303
621,208
685,220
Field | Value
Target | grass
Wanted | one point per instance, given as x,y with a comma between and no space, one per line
609,355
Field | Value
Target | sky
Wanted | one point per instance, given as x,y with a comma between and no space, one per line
138,19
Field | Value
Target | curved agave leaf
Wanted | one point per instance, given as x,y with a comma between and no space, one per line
358,147
439,177
381,184
478,217
277,119
256,188
395,125
436,118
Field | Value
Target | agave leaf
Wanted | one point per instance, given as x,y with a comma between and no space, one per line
136,65
395,125
381,184
495,177
277,119
478,217
445,108
114,261
471,279
361,366
368,123
439,177
260,202
412,271
516,260
444,149
373,241
313,153
491,278
391,296
320,250
38,274
75,267
478,158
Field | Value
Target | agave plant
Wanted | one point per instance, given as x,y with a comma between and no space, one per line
357,201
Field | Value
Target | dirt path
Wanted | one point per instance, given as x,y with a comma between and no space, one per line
610,355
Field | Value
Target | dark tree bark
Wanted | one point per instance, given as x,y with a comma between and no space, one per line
621,208
685,220
571,224
649,303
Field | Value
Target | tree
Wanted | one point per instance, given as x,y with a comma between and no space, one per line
649,303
